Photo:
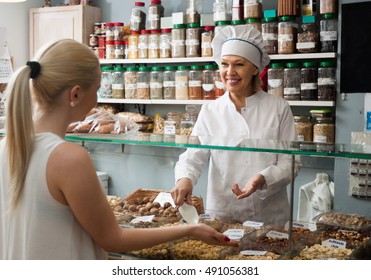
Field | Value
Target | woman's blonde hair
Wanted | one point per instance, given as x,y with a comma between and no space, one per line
63,64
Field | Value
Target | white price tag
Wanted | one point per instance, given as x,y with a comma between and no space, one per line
145,219
234,233
333,243
207,217
253,224
253,253
277,234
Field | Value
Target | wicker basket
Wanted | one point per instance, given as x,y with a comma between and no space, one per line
140,193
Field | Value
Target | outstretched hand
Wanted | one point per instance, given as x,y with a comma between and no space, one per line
252,185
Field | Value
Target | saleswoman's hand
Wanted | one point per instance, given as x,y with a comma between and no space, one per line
182,192
256,182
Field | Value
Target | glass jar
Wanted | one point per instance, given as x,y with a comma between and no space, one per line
195,82
110,49
324,130
105,90
97,28
328,6
220,24
103,28
193,38
206,38
208,91
118,82
308,36
193,11
154,44
304,128
143,83
185,128
156,83
221,11
169,82
292,81
138,17
165,43
130,81
93,40
275,79
309,81
119,49
143,44
329,33
253,9
155,13
270,34
287,35
219,85
178,40
327,81
118,31
133,45
171,126
255,23
238,10
181,83
109,31
101,41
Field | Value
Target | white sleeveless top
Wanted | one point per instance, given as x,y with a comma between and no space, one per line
40,227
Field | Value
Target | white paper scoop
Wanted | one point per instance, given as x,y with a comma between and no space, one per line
189,213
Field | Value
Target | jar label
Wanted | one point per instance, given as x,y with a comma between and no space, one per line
300,137
130,86
177,42
328,35
192,42
285,37
142,85
155,85
270,36
194,83
207,87
274,83
169,129
169,84
291,91
181,84
326,81
308,86
320,138
219,85
118,86
305,45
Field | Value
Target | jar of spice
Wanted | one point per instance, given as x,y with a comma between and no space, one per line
156,83
169,82
309,81
221,11
143,43
208,91
185,128
118,82
328,6
105,90
118,31
237,9
329,33
193,39
110,49
195,82
193,11
154,44
253,9
155,13
181,83
219,85
138,17
171,126
178,36
206,38
287,35
133,45
119,49
130,81
270,34
292,81
93,40
165,43
327,81
304,128
255,23
308,36
275,79
143,83
109,31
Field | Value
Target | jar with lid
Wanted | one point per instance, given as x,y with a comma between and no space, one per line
329,33
195,82
275,79
154,44
309,81
255,23
110,49
119,49
143,43
208,87
327,81
130,81
206,38
165,43
221,10
97,28
118,82
219,85
181,83
178,36
109,31
156,82
118,31
169,82
105,90
328,6
237,9
292,81
193,38
93,40
143,83
171,126
193,11
155,13
138,17
101,41
220,24
304,128
103,28
133,44
253,9
324,130
308,36
270,34
185,127
287,35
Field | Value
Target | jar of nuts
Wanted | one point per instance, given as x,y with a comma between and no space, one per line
287,35
270,34
304,128
308,36
324,130
292,81
327,81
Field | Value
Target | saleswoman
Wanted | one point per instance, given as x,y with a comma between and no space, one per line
241,185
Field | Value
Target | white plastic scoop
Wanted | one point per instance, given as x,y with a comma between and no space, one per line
189,213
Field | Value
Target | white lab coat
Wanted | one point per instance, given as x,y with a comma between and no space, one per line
264,117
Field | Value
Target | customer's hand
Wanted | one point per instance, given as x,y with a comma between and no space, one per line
258,181
182,192
210,236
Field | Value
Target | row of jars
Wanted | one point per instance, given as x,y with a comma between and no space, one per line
306,81
171,82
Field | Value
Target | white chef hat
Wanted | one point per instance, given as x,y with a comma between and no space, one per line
240,40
